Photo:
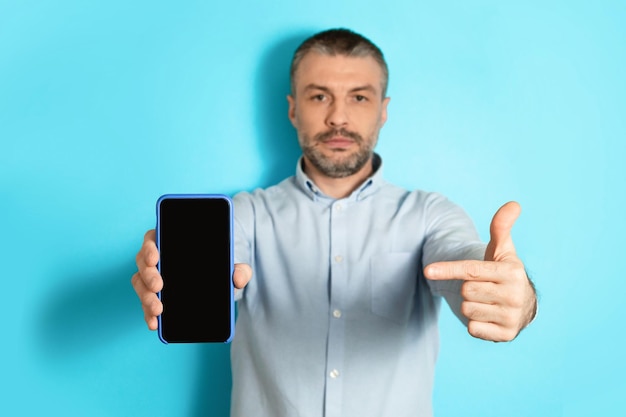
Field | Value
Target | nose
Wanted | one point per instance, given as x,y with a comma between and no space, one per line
337,115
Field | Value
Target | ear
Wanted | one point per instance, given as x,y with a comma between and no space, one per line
292,109
383,112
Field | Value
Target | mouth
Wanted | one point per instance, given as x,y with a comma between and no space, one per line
338,142
340,139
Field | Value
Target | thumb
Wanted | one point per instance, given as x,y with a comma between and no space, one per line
501,243
241,275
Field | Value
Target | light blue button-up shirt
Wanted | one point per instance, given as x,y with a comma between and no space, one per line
338,319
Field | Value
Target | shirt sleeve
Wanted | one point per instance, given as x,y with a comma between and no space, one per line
450,236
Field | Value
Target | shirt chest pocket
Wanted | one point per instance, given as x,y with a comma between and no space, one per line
393,278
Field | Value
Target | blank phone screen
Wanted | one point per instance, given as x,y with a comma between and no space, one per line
195,247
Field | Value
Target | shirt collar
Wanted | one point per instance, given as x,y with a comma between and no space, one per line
367,188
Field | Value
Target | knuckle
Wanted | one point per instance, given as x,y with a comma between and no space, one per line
467,310
149,235
510,320
149,319
151,305
472,269
149,279
156,307
468,289
507,319
474,329
514,299
520,271
152,256
509,334
517,302
156,282
145,301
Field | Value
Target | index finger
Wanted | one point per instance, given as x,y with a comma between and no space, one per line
467,270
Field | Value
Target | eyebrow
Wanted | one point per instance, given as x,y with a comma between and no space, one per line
367,87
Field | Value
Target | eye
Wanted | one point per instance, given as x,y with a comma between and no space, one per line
359,98
318,97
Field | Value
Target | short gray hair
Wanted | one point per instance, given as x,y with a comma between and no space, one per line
340,42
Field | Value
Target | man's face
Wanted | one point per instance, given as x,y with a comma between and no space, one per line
337,109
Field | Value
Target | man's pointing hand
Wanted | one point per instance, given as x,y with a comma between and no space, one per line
498,298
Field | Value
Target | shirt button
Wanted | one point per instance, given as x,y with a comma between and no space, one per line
337,313
334,373
338,258
338,207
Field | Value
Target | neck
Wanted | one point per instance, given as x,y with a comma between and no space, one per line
338,187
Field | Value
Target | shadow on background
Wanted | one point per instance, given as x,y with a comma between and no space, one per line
88,312
278,142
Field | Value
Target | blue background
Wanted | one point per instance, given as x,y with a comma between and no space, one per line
105,105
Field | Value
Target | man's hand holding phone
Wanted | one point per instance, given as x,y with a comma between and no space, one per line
186,276
147,281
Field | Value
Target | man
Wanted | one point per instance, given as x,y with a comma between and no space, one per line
339,273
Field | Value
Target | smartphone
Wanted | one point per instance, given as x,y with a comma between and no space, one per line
194,235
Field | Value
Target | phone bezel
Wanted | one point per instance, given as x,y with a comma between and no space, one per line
179,196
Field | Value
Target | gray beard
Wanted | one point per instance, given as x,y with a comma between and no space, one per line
349,166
